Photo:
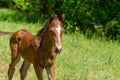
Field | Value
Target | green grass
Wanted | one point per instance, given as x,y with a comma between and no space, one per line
81,58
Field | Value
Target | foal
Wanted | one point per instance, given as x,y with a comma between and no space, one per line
40,50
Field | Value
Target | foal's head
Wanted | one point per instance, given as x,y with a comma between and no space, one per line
55,30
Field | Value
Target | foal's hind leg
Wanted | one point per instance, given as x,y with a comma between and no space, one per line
23,70
15,58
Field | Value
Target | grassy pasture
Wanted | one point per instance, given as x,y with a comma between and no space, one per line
81,58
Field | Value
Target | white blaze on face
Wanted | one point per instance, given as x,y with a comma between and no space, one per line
58,29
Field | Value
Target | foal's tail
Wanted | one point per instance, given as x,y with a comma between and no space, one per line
3,33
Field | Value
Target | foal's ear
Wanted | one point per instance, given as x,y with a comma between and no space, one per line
62,17
52,16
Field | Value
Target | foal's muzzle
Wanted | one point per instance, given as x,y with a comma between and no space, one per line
57,49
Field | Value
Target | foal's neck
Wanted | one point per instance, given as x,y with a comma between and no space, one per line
46,43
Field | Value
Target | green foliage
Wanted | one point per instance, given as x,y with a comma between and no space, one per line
113,29
85,15
17,16
5,3
11,15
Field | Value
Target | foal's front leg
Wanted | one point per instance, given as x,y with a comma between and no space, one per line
51,72
39,71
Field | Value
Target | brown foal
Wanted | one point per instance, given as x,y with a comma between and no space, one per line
40,50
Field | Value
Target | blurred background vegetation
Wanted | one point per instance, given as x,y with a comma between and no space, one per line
99,18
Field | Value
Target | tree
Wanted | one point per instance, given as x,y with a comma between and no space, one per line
99,17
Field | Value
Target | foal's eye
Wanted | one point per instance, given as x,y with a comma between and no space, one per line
51,31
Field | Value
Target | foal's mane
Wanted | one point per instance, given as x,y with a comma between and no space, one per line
41,31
